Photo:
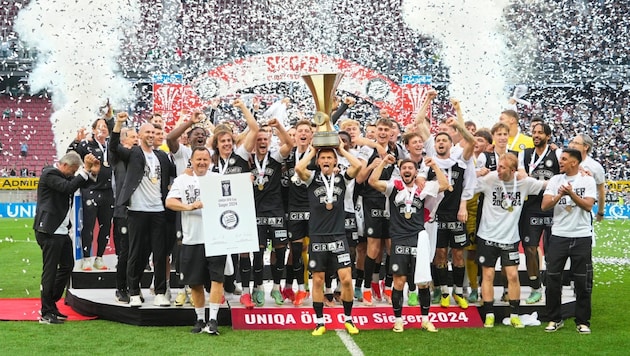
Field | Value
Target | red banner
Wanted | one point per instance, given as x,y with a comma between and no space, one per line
365,318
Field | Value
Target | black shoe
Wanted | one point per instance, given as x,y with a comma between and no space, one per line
213,327
199,326
122,296
62,317
50,319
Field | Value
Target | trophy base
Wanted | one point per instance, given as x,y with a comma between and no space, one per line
326,139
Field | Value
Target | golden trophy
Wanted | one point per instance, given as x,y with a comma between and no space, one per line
323,87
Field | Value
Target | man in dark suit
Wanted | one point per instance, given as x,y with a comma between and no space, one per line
144,191
52,224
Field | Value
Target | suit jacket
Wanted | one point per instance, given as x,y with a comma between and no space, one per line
54,196
104,180
134,157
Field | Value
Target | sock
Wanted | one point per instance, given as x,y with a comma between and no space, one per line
472,269
458,279
389,278
288,282
278,268
201,313
368,268
442,272
514,306
347,310
297,261
534,282
424,294
397,300
319,311
258,267
214,311
246,270
488,307
359,281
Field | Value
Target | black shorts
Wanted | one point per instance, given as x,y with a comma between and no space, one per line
451,234
375,219
197,269
297,224
352,234
488,252
328,253
402,260
272,229
531,228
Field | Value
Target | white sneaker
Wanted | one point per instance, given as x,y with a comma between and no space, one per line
86,264
161,300
135,301
99,264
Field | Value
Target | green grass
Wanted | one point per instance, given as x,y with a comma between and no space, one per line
21,265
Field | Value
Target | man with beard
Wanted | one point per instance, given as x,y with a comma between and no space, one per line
267,172
410,242
497,236
571,195
329,247
197,269
143,191
451,214
540,162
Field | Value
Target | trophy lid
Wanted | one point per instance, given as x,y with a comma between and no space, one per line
323,87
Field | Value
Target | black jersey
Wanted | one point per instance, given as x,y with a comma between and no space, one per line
449,206
297,195
546,168
235,165
492,159
400,226
323,221
267,187
365,190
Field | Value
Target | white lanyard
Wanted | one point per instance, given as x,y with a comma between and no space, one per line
151,158
533,164
515,139
308,149
222,168
104,149
507,202
409,198
329,185
261,169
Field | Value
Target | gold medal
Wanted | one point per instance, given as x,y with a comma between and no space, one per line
261,186
154,180
450,188
105,164
407,215
510,209
329,206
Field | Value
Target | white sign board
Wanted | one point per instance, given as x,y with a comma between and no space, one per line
229,215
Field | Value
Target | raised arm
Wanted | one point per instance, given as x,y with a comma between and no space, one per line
374,181
122,152
172,139
250,138
355,163
285,139
301,168
421,116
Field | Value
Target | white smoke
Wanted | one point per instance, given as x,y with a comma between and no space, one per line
473,48
78,43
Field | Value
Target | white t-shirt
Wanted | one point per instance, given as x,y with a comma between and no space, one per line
186,188
569,220
498,223
596,169
148,196
181,159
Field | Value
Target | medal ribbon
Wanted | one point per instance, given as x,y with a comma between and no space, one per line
329,185
533,164
506,197
261,169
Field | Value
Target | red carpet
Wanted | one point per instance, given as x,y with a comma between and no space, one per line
28,309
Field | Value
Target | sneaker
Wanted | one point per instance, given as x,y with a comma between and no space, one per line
299,299
387,296
474,296
357,294
319,330
86,265
367,297
329,303
99,265
199,326
445,301
554,326
122,296
258,297
212,327
277,297
413,299
398,326
181,298
534,297
516,322
461,301
489,323
161,301
376,291
428,326
583,329
62,317
237,290
504,297
135,301
437,294
350,328
50,319
246,301
289,294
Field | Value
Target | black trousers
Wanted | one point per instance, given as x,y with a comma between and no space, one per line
121,243
58,262
96,204
579,250
147,233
